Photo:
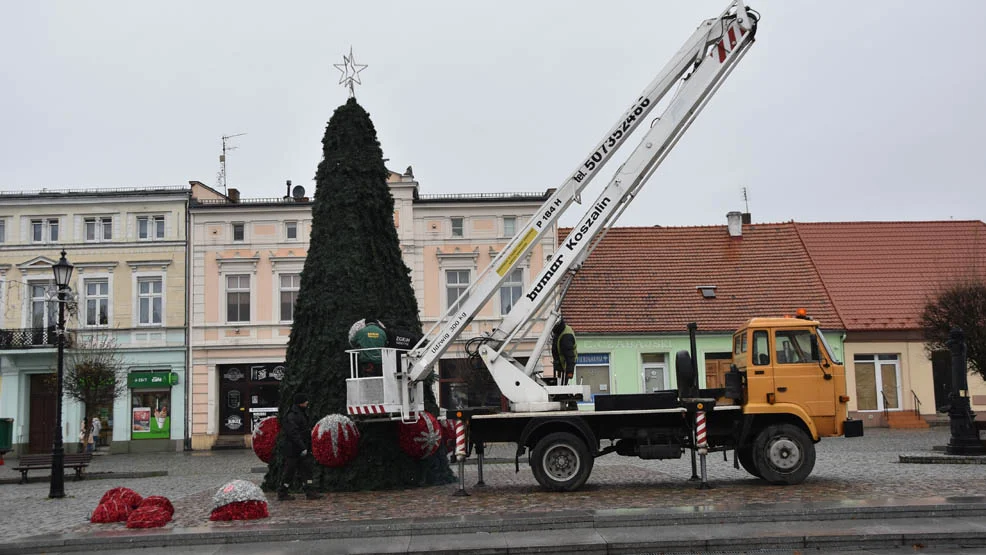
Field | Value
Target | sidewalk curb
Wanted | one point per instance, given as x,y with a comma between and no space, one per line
609,529
90,476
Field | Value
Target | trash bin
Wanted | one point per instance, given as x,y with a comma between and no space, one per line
6,436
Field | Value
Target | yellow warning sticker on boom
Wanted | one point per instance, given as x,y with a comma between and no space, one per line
502,269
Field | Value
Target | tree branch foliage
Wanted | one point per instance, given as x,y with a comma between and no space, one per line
94,374
962,305
353,270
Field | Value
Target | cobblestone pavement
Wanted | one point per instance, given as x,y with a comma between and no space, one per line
846,469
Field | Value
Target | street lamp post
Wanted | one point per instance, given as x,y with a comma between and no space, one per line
63,271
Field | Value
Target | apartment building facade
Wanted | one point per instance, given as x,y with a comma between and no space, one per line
127,247
247,256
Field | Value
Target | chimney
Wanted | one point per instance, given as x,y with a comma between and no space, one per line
734,223
747,219
287,195
233,195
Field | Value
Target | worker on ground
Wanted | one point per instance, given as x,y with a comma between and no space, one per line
564,351
297,447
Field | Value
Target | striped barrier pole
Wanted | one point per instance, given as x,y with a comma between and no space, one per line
460,455
703,446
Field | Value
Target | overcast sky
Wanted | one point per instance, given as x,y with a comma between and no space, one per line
842,110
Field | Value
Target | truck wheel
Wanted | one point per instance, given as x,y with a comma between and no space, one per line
745,457
784,454
561,462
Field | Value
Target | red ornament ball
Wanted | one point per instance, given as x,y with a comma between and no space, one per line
422,438
158,501
126,495
335,441
240,510
265,438
111,510
149,516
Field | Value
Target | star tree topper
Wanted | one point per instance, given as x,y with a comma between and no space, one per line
350,72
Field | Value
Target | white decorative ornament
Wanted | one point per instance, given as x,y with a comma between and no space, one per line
237,490
350,72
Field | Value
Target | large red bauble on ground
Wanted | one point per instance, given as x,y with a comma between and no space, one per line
265,437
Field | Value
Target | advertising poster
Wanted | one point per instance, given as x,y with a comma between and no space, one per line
142,419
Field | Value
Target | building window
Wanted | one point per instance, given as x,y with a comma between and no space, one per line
511,290
509,226
150,227
238,298
457,227
99,229
44,230
291,230
150,301
238,234
456,283
592,369
877,382
290,283
97,302
3,230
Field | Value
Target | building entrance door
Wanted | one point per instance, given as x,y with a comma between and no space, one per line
233,391
41,429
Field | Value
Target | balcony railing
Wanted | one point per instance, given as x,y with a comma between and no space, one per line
26,338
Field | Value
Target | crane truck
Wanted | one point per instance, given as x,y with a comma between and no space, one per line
771,413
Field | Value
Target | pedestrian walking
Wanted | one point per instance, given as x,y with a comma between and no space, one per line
296,443
97,427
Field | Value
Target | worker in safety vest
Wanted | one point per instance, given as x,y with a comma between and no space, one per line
368,334
564,351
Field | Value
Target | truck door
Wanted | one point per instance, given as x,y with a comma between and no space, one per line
798,373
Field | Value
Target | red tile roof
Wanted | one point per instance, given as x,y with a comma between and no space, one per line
644,279
881,274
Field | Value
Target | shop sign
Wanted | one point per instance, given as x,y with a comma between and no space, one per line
144,380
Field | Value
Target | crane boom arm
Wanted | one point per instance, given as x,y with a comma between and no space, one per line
700,65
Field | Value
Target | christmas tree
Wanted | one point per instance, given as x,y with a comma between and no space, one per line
353,270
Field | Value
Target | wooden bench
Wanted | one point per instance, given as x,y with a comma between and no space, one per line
26,463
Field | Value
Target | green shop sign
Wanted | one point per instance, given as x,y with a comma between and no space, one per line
146,380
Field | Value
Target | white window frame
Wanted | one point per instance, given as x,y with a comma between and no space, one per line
462,226
137,278
45,223
878,378
227,291
99,224
232,232
445,286
84,300
3,230
585,367
280,290
154,222
50,315
513,221
287,228
506,283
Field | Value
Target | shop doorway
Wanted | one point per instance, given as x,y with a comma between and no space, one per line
248,393
41,429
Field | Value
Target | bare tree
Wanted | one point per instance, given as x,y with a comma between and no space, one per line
94,375
962,305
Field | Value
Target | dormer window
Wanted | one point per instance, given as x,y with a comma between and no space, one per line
708,291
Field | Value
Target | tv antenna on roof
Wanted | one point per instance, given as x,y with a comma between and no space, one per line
222,159
746,200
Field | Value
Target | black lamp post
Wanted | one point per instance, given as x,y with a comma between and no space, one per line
63,271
